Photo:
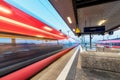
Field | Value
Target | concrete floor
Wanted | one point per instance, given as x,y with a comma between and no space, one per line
52,71
90,74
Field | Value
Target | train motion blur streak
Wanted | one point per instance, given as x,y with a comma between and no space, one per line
11,21
27,72
113,43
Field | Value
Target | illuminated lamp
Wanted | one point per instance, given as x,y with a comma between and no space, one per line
74,30
5,10
69,20
101,22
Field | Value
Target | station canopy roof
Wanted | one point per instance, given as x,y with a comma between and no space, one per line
90,13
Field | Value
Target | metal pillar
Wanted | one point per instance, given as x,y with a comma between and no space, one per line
13,41
90,41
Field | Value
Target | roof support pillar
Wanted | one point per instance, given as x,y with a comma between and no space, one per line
90,41
13,41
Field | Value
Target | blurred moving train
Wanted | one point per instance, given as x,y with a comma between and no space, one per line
111,43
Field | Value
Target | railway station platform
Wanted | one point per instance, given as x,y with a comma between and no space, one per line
94,65
83,65
49,40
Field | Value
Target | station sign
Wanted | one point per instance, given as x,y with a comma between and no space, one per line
94,29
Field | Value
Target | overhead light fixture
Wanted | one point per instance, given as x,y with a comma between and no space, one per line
101,22
5,10
74,30
8,20
69,20
47,28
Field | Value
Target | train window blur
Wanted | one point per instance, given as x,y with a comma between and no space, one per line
118,44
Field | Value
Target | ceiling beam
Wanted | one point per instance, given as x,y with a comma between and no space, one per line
113,28
75,11
87,3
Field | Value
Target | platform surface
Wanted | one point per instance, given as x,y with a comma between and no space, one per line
94,74
53,70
